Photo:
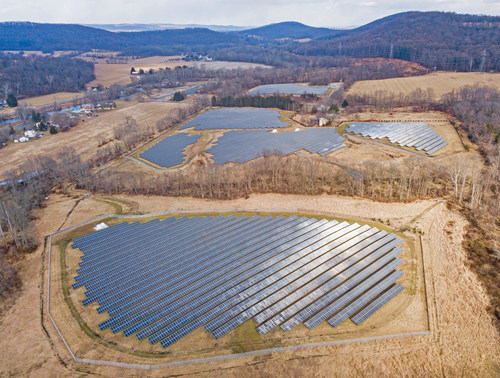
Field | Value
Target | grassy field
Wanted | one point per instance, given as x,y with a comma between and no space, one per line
83,138
219,65
31,345
440,82
107,74
34,102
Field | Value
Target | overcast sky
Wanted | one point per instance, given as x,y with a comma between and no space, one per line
329,13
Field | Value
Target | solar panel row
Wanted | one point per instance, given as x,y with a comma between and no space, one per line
163,279
169,151
408,134
289,88
237,118
243,146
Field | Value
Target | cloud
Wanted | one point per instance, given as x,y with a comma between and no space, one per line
330,13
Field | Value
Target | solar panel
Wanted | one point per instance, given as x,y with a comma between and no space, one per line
241,146
163,279
361,301
237,118
169,151
369,310
289,88
407,134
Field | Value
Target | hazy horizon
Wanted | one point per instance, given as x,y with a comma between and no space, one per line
319,13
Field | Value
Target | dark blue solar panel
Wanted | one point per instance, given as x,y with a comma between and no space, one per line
289,88
163,279
169,151
242,146
237,118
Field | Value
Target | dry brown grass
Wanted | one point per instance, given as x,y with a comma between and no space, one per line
83,138
223,65
34,102
438,121
463,340
107,74
50,99
440,82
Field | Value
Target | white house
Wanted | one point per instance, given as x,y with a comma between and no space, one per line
30,133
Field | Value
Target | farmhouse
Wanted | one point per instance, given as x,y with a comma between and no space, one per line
22,139
30,133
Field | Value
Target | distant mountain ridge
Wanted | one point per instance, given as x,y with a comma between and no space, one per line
437,40
166,26
289,29
434,39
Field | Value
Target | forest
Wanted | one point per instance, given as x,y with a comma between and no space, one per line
437,40
38,75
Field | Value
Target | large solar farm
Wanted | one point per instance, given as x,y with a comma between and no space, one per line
166,287
169,287
162,280
239,135
192,285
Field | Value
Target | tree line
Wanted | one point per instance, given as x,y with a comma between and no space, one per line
38,75
274,101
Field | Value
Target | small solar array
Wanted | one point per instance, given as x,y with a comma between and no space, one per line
408,134
237,118
243,146
169,151
164,279
289,88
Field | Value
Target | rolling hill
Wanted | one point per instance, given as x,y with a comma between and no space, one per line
154,27
438,40
291,30
50,37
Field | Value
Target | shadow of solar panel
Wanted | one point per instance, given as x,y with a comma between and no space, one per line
169,151
163,279
237,118
408,134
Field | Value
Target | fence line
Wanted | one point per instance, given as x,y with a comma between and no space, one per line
215,358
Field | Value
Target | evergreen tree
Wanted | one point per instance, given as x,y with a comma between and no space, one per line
36,117
178,96
11,100
334,108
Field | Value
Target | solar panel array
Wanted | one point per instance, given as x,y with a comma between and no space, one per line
237,118
164,279
408,134
169,151
289,88
242,146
